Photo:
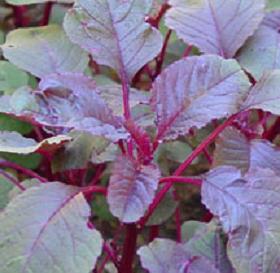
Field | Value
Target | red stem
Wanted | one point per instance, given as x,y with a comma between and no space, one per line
20,20
162,53
129,249
184,165
25,171
12,179
180,179
47,14
187,51
154,232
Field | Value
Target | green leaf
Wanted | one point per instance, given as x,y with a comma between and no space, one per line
163,211
273,4
207,240
51,236
31,161
5,187
11,77
8,123
43,50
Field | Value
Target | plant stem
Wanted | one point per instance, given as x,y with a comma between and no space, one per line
47,14
184,165
12,179
129,249
162,54
180,179
20,20
25,171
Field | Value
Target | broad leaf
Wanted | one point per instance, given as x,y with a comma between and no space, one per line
195,90
115,33
273,5
265,94
132,189
5,187
43,50
233,149
207,240
163,211
13,142
272,20
261,52
8,123
248,208
166,256
79,152
215,26
11,77
30,2
50,237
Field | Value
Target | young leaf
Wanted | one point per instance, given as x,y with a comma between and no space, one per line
248,208
13,142
263,95
51,235
208,241
44,50
195,90
132,188
233,149
115,33
226,24
261,52
166,256
73,101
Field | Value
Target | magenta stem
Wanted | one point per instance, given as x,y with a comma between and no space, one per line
12,179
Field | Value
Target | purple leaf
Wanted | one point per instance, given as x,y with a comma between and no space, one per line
44,229
215,26
261,52
132,188
233,149
265,94
166,256
272,20
248,208
115,33
195,90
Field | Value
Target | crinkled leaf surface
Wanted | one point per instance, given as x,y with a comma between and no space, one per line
215,26
265,94
50,237
166,256
132,188
272,20
233,149
195,90
11,77
44,50
115,33
30,2
73,101
207,240
261,52
13,142
248,208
